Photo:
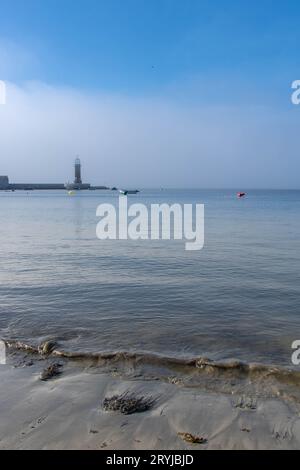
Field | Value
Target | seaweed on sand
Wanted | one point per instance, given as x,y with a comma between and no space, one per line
51,371
128,403
188,437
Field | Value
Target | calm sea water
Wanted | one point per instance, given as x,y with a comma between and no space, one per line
239,297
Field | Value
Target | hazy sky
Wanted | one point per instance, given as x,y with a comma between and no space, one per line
151,92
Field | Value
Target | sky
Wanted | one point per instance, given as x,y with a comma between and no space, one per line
151,93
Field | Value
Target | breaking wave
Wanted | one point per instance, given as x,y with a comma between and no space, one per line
230,376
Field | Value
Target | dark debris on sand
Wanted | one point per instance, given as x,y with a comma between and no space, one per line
128,403
188,437
51,371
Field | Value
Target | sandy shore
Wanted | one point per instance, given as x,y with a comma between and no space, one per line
66,413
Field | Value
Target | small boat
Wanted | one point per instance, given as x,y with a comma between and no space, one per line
128,191
241,194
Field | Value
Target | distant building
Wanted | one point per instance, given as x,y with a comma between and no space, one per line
4,182
78,184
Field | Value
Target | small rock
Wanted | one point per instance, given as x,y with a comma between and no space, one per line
51,371
245,430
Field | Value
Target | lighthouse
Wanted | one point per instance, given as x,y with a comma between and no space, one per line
5,185
78,179
78,184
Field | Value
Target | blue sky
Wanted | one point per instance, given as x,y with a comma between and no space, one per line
142,45
188,55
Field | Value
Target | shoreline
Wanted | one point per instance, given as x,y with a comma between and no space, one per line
66,412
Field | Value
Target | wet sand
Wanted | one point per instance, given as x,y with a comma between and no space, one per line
66,412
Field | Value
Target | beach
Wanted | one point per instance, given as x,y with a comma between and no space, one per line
66,412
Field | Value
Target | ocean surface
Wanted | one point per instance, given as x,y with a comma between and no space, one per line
238,297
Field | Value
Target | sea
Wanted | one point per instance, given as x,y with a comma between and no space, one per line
236,299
